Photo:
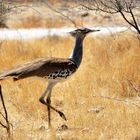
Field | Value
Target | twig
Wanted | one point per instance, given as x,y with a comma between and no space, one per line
135,87
2,115
3,125
134,19
7,126
119,100
98,8
61,14
26,6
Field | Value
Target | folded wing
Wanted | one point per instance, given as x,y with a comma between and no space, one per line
40,67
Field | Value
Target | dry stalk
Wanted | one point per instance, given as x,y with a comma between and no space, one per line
119,100
8,125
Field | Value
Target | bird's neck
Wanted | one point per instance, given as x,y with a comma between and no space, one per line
77,52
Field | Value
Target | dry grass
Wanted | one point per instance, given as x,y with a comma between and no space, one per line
98,100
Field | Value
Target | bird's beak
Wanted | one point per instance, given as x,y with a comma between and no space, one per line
94,30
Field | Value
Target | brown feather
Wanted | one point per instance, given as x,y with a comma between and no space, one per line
39,67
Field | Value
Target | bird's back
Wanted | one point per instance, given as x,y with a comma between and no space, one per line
50,68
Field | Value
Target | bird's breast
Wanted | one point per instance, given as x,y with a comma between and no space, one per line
60,75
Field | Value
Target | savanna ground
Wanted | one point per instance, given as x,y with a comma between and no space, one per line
101,101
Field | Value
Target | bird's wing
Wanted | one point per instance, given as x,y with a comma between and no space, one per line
40,67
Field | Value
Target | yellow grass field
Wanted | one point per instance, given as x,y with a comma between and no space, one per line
99,101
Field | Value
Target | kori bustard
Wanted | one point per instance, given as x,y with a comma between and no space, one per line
53,69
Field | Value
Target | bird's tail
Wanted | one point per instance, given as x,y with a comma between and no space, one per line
9,73
22,71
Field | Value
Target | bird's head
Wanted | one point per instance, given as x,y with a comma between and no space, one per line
82,32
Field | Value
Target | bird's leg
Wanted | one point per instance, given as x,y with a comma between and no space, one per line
56,110
41,99
48,101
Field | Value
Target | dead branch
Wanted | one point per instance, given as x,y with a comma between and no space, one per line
123,7
7,125
61,14
134,19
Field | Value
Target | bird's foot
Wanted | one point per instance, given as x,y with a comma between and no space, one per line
62,115
42,100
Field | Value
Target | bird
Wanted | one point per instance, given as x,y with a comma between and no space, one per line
54,70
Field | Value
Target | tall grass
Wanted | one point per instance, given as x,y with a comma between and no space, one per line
98,100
